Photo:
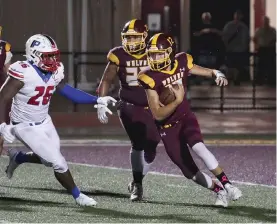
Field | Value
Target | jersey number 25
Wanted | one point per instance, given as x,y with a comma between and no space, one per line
44,92
132,75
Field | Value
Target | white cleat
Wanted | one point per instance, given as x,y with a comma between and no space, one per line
221,199
12,153
233,192
137,192
131,186
84,200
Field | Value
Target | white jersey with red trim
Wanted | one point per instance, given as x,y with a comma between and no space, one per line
31,103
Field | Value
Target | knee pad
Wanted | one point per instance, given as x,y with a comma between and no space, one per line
60,165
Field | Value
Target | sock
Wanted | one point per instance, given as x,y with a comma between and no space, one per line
21,157
207,157
223,178
138,176
146,168
75,192
216,188
137,163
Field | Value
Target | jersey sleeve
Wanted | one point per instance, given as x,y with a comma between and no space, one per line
17,70
113,56
187,58
8,53
146,81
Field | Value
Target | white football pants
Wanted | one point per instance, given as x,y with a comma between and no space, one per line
44,141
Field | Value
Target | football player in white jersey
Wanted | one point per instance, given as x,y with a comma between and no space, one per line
31,84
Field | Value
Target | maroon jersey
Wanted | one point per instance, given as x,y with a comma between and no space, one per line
158,80
129,67
4,48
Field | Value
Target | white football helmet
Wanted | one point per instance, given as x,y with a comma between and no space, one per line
42,51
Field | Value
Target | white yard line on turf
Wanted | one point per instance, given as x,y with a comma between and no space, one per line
112,142
170,175
160,174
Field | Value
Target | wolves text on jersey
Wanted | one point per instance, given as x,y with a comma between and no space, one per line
173,78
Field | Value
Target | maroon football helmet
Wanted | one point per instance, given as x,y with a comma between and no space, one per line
161,50
134,36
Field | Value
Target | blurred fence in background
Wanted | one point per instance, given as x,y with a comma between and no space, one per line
203,95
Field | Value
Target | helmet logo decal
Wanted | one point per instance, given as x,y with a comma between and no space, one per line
35,43
170,40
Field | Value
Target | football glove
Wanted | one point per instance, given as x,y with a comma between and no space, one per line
220,78
101,113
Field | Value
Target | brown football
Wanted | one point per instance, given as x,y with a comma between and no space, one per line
167,96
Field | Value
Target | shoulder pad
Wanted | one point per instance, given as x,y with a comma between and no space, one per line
113,55
18,69
145,80
189,61
187,57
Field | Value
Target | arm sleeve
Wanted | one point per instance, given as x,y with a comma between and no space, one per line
77,96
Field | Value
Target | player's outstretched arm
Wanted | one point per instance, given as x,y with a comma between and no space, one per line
162,112
103,89
220,78
107,78
80,97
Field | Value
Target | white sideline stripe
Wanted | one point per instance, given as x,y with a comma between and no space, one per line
159,173
170,175
111,142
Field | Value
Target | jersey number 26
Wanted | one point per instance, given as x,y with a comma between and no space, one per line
44,92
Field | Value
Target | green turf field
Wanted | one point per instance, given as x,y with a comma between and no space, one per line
33,195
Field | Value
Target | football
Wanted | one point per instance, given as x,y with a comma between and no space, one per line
167,96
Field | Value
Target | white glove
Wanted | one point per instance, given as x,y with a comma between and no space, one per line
101,113
105,100
221,79
7,132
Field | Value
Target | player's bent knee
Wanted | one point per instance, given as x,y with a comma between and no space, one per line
203,179
45,163
189,174
60,166
149,155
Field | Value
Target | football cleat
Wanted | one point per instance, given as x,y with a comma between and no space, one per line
137,192
84,200
12,153
233,192
131,186
221,199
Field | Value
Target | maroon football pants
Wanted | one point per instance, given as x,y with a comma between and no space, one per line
177,137
141,128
